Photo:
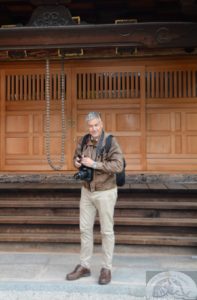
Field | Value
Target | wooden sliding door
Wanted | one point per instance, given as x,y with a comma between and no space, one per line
150,105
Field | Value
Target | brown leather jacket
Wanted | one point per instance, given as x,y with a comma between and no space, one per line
107,164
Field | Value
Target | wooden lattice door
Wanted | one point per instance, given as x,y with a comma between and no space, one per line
23,117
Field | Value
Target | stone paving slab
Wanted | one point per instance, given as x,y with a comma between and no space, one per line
41,276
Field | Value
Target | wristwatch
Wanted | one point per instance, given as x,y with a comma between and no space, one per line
94,165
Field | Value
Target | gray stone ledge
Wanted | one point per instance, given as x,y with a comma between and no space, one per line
68,179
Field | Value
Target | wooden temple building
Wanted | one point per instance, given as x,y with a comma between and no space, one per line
136,63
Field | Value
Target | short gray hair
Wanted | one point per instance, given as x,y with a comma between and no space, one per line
93,115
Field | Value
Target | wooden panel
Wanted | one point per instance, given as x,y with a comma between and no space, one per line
192,144
17,146
17,123
126,122
191,121
158,121
130,144
159,144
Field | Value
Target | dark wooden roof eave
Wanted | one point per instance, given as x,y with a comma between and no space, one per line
144,35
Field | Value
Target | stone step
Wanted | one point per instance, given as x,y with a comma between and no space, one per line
124,239
74,203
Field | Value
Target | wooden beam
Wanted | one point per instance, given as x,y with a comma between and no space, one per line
141,35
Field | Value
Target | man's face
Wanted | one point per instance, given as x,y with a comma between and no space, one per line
95,127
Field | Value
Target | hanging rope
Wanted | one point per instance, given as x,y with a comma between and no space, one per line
58,163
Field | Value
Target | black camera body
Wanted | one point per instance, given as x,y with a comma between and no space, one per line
84,173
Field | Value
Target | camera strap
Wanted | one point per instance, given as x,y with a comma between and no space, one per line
99,145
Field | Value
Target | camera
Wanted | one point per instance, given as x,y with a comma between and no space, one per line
84,173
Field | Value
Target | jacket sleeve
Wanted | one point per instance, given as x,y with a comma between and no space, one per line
113,161
77,151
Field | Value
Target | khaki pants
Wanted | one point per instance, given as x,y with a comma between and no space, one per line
103,202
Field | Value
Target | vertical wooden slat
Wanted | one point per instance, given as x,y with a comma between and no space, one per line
92,78
58,86
157,84
180,83
16,87
118,78
8,92
184,84
89,89
42,88
25,87
51,86
131,84
128,85
101,92
166,84
137,85
110,84
33,87
37,87
123,87
134,84
84,85
97,86
170,84
189,83
12,88
21,79
29,87
161,85
194,94
153,85
148,84
105,85
77,86
114,85
175,84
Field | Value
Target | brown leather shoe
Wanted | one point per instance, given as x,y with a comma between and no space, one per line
105,276
78,272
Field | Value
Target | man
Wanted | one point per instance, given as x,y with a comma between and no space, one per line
99,194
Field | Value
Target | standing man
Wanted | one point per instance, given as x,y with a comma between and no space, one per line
97,194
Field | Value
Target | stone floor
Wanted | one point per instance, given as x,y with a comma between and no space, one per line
37,272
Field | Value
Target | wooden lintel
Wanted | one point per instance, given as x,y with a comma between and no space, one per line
141,35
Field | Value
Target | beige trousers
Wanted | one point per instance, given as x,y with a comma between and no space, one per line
103,202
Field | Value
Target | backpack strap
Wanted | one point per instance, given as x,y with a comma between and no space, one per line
98,148
108,142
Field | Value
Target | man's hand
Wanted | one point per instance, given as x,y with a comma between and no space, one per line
86,161
78,162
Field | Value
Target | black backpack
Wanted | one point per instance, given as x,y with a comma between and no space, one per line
120,177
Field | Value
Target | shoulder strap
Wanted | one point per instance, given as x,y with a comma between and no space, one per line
84,141
108,142
99,149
